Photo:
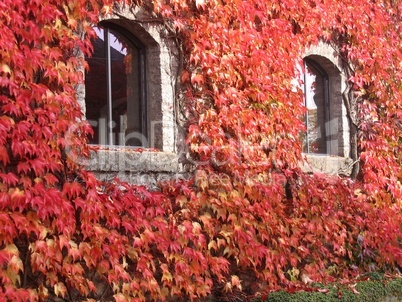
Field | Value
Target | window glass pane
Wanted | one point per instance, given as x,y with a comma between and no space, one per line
119,88
125,125
96,89
315,102
127,70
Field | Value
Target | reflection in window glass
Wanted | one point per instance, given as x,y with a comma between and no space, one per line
113,90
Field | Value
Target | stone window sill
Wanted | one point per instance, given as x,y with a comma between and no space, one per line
333,165
123,159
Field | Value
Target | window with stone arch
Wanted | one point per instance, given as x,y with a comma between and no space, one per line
143,135
129,85
327,130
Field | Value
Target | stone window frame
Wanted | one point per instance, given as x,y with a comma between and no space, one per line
161,158
338,161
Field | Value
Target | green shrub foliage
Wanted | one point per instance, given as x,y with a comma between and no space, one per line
365,291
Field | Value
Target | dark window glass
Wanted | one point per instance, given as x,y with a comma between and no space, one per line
316,97
114,87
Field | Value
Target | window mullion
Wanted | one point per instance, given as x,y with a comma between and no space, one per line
109,125
305,104
143,96
328,131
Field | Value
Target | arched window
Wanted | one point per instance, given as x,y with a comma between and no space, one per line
115,88
316,97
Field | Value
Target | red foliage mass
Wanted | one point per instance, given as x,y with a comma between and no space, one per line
249,219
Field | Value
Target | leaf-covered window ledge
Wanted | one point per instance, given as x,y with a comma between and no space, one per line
124,159
328,164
